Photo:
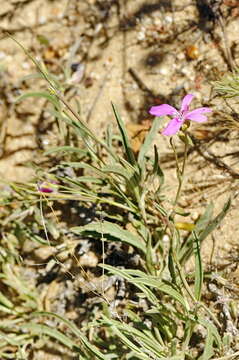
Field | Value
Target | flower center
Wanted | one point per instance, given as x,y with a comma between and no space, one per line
179,115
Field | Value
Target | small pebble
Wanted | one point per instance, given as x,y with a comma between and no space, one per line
44,252
192,52
168,19
89,259
163,71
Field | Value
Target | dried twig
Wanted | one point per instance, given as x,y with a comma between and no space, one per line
209,156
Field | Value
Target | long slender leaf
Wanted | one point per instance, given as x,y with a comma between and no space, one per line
216,221
149,140
40,94
187,248
76,331
111,231
150,281
157,169
5,301
165,288
209,325
128,151
144,337
118,170
66,149
212,336
127,275
202,229
39,329
198,269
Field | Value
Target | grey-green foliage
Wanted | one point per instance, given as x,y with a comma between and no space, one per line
228,86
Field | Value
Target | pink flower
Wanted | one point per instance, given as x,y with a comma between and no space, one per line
47,186
179,117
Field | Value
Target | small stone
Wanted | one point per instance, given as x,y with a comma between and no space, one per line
165,239
168,19
192,52
163,71
44,252
141,35
89,259
194,215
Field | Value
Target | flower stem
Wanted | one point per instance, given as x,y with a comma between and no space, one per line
180,173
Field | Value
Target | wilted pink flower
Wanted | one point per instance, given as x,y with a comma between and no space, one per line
47,186
179,117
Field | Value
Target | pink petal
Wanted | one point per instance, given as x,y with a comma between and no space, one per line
163,109
197,117
45,189
172,127
201,110
185,102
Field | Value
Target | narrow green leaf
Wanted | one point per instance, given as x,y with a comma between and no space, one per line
141,278
4,301
118,170
82,165
75,331
165,288
216,221
39,329
126,143
149,140
156,168
208,348
40,94
6,310
14,340
209,325
172,267
187,248
67,149
127,274
202,229
110,230
145,341
198,269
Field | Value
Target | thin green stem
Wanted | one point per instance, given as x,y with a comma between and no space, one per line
180,173
189,292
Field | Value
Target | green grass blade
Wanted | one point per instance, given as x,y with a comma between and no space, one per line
126,143
4,301
67,149
40,329
111,232
149,140
156,167
165,288
187,249
76,331
208,349
129,344
198,269
213,330
140,335
216,221
118,170
39,94
127,276
202,229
